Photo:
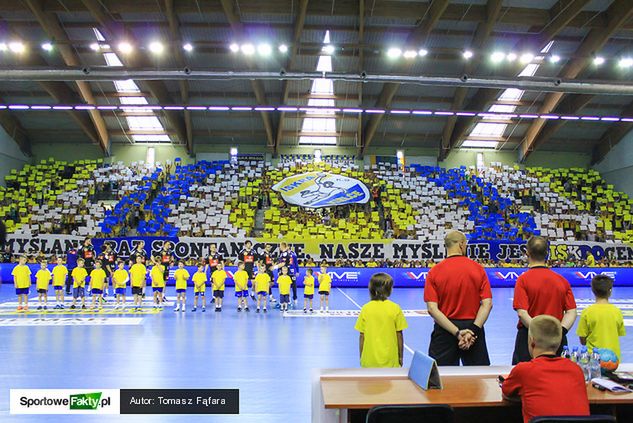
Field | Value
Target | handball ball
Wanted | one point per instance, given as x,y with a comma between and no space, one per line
608,360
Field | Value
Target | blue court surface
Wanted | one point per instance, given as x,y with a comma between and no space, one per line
268,357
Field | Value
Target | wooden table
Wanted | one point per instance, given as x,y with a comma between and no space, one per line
468,390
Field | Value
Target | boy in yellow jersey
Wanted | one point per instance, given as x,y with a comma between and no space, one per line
42,279
138,272
120,277
22,282
325,284
97,284
380,324
199,287
79,275
60,273
284,281
157,274
262,285
308,290
181,276
241,286
218,282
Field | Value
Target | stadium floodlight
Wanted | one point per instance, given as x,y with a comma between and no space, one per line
218,108
3,47
283,48
375,111
125,47
554,58
394,52
329,49
598,60
497,56
156,47
551,117
248,49
264,49
95,47
400,154
234,48
625,62
352,110
423,52
17,47
410,54
527,58
467,54
187,47
233,151
317,156
511,57
47,46
422,112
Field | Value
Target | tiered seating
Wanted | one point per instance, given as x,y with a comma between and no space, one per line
331,159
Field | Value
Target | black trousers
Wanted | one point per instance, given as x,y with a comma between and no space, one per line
522,353
446,352
294,287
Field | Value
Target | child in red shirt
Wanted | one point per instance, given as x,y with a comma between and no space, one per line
548,385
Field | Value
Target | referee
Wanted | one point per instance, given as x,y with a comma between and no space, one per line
458,297
539,291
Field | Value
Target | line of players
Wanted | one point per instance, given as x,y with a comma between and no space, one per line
101,270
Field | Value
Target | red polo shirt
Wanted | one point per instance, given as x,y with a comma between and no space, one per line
543,291
457,284
548,386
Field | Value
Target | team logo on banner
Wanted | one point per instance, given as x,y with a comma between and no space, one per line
321,189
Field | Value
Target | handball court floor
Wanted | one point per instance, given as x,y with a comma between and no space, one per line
269,358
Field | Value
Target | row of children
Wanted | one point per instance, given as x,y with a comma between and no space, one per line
261,285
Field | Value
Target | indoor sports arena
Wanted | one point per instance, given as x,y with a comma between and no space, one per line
316,211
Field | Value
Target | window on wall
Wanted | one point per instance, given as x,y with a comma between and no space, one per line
480,161
150,158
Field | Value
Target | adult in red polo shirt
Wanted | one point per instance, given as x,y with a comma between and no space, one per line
548,385
458,297
539,291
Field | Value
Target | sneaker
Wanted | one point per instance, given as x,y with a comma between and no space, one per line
246,309
311,311
294,302
265,311
177,309
26,308
277,305
62,306
45,308
20,308
257,310
204,309
253,297
57,307
194,309
239,309
305,310
321,309
39,307
272,300
183,310
72,306
327,309
83,307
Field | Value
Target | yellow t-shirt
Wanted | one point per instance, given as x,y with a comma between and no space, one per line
308,285
138,272
60,272
157,275
42,278
218,279
284,282
602,325
79,275
262,282
181,276
590,261
325,282
120,278
97,278
21,276
241,280
199,278
379,321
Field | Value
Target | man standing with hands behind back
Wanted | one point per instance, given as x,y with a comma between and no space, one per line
458,297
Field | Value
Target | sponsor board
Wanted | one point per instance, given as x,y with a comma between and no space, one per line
64,401
628,322
347,313
70,321
321,189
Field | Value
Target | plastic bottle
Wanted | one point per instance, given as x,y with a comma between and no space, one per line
574,355
566,353
594,364
583,362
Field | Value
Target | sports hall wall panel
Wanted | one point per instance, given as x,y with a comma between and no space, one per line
10,155
616,166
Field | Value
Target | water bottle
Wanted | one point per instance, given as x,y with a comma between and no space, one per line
583,362
574,355
566,353
594,364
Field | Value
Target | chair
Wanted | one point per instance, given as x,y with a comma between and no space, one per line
411,414
598,418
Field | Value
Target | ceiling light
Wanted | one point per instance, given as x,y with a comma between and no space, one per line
625,62
554,58
47,46
497,56
264,49
394,52
3,47
248,49
16,47
95,46
410,54
467,54
423,52
125,47
526,58
511,57
598,60
234,48
328,49
187,47
156,47
283,48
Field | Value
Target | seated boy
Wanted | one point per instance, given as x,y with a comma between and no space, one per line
548,385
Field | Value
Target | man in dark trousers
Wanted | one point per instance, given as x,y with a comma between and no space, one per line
269,261
108,258
458,296
213,259
249,257
71,263
539,291
288,258
167,259
88,253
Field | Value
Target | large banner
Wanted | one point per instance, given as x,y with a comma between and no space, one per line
321,189
327,250
353,277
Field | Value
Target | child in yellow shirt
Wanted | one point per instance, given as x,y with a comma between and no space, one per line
79,275
241,287
42,279
97,283
22,282
181,276
120,278
60,273
308,290
157,274
199,287
138,273
325,284
262,286
284,281
218,281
